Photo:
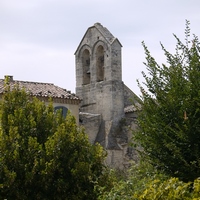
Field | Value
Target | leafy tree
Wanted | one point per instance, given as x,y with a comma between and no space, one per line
171,189
135,181
143,182
42,155
169,119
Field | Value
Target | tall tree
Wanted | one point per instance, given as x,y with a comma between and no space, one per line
43,155
169,119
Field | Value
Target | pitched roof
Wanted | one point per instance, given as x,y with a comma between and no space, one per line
37,89
105,32
132,108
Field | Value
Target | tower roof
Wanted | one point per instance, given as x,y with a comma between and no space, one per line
104,32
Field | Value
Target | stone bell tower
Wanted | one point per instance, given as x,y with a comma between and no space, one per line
99,85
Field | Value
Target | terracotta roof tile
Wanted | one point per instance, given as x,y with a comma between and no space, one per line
41,89
132,108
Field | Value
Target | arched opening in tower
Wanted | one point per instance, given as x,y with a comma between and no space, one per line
100,63
86,66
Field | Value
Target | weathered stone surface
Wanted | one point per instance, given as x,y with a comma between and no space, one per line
104,96
91,123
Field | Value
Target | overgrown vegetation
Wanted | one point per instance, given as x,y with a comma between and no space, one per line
134,181
143,182
169,129
169,120
42,155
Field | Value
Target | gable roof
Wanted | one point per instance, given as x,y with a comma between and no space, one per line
132,108
41,90
131,100
104,32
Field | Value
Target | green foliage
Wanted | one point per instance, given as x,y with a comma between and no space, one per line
171,189
169,119
42,155
143,182
135,182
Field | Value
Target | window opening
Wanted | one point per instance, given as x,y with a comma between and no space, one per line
86,66
63,110
100,63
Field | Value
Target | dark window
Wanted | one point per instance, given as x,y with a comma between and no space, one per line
86,66
100,63
63,110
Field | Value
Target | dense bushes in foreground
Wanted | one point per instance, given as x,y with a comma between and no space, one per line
142,182
44,155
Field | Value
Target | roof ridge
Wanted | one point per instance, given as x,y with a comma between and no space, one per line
107,34
41,89
44,83
30,82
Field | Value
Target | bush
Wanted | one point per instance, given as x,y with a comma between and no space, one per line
43,155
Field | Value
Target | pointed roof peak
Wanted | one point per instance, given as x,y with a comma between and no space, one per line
104,32
97,23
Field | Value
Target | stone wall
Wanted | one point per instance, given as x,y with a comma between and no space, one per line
92,124
104,96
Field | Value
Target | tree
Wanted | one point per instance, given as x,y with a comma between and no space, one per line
42,154
145,183
133,183
169,119
169,189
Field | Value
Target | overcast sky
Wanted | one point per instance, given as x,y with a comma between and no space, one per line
38,38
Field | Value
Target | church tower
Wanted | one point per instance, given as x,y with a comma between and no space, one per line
99,73
99,85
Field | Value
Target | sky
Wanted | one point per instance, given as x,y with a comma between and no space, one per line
38,38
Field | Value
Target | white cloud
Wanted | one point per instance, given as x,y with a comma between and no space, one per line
38,38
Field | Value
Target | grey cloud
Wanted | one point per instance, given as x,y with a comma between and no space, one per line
33,31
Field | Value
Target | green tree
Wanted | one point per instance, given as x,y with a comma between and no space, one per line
135,181
171,189
169,119
143,182
42,155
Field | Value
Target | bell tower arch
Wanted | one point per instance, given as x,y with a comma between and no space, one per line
86,66
100,63
99,80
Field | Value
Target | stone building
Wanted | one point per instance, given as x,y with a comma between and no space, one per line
62,99
106,110
103,104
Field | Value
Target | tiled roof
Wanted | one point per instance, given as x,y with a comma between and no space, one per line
129,109
41,89
132,108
